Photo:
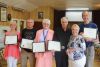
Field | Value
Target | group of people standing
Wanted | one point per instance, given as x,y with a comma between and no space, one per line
76,51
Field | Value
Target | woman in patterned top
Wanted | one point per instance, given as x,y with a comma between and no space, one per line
76,48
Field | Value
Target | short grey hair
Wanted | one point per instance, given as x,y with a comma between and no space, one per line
46,21
30,20
64,19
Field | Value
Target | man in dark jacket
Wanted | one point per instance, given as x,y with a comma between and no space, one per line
62,35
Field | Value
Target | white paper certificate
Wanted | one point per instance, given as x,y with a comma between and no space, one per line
26,43
90,33
11,39
39,47
54,45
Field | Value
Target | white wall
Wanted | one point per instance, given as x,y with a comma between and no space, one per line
76,16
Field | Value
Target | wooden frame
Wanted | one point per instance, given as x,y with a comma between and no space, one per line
40,15
3,14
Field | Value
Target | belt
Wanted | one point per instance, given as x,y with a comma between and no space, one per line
62,47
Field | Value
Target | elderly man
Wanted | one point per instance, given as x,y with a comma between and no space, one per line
89,41
28,33
62,35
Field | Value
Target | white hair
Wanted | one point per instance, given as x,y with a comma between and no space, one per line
30,20
46,21
64,19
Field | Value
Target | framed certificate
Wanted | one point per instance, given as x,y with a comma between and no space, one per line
90,33
11,39
54,45
26,43
39,47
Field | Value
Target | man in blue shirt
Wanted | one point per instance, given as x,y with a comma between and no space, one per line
89,41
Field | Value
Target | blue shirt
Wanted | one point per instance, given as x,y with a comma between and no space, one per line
89,25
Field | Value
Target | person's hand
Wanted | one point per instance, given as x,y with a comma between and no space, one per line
96,41
53,52
38,54
86,38
81,33
70,50
89,39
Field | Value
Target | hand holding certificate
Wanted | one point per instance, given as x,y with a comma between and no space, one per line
26,43
11,39
54,45
90,33
39,47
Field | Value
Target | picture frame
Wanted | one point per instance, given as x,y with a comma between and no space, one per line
3,14
40,15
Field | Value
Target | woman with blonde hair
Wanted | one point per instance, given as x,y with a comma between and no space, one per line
11,51
76,48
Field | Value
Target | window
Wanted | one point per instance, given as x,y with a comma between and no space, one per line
76,14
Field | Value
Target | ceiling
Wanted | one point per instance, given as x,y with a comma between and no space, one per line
57,4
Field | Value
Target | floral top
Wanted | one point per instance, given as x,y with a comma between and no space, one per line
79,44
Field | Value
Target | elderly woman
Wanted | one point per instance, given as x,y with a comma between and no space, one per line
43,35
76,48
11,51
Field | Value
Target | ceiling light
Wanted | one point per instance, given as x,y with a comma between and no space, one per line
77,9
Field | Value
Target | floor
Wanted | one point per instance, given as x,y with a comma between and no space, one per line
96,61
96,64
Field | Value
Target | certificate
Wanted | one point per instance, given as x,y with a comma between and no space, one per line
26,43
39,47
90,33
54,45
11,39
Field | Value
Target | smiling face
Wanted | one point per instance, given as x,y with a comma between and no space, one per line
46,23
64,22
13,25
86,17
75,29
29,24
45,26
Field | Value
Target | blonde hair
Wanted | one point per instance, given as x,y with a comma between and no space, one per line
75,26
13,23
